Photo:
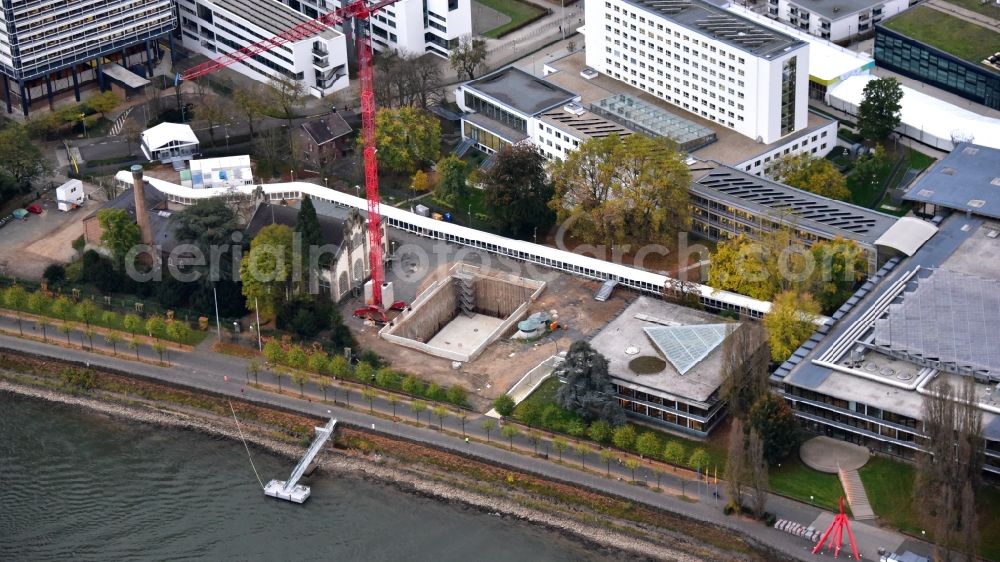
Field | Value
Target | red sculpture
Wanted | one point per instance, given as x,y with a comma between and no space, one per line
835,532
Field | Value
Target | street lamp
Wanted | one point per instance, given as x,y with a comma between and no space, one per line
357,190
83,121
811,500
326,183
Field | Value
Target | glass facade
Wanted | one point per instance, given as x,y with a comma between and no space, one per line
914,59
479,105
788,96
486,140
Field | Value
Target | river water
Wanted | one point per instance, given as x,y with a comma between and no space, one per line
80,486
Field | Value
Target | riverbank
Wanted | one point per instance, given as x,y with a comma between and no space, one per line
414,469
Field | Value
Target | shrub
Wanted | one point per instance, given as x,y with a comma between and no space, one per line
504,405
457,395
78,379
54,273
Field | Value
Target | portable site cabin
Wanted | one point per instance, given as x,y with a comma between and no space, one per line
70,195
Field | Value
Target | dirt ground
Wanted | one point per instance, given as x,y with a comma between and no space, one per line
505,361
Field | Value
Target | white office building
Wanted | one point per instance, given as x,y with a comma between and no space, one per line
51,47
835,21
216,27
409,26
704,59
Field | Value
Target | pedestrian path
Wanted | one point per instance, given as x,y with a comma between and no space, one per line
854,489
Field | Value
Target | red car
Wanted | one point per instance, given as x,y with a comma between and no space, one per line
34,209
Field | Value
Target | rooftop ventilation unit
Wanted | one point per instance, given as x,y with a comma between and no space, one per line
574,108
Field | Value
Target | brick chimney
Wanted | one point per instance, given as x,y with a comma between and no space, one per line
141,213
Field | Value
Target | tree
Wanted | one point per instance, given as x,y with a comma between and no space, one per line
65,328
119,232
457,395
411,385
109,318
616,190
869,168
284,95
632,464
209,224
510,431
699,460
214,111
529,414
369,394
658,473
364,372
452,186
133,344
43,323
790,323
19,158
600,431
648,445
756,464
606,457
440,412
759,268
250,102
273,352
324,385
421,181
517,192
583,450
131,322
155,327
307,225
775,423
160,349
113,338
736,465
253,368
463,418
16,298
178,331
840,265
878,113
103,102
418,406
534,437
489,424
576,428
674,453
87,312
317,362
624,437
62,307
560,445
744,368
54,273
468,56
504,405
588,390
815,175
406,79
951,466
266,270
394,401
38,302
407,139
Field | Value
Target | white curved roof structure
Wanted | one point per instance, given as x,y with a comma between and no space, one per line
165,133
907,235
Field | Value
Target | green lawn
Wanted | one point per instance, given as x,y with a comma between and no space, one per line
889,484
863,193
919,160
990,9
798,481
518,12
963,39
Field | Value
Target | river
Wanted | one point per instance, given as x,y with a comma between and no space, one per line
80,486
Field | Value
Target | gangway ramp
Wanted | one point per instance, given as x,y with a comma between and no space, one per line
290,490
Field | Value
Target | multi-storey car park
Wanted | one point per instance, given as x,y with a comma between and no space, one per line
49,48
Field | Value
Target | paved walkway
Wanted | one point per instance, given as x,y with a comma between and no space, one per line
854,489
224,374
830,455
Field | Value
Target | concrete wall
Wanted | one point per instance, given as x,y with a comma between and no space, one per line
499,298
429,315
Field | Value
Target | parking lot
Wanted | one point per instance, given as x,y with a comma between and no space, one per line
32,244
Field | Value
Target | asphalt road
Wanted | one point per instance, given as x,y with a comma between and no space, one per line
224,374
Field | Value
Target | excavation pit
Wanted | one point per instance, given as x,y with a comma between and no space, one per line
460,315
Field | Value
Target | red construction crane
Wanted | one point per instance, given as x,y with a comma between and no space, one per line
345,15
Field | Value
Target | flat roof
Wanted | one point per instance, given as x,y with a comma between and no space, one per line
961,38
586,125
836,9
769,198
720,24
730,147
967,180
516,88
271,16
625,339
828,62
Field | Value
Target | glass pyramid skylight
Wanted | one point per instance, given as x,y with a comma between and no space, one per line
686,346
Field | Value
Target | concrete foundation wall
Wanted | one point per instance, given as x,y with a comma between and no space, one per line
499,298
428,316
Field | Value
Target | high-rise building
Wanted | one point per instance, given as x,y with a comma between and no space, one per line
709,61
51,47
417,26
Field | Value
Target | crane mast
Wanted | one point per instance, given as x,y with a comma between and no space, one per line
354,11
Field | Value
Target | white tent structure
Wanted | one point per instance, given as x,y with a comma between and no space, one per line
924,118
169,142
227,171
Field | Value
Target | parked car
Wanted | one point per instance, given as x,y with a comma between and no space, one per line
35,209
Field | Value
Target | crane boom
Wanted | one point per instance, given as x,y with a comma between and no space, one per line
357,10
